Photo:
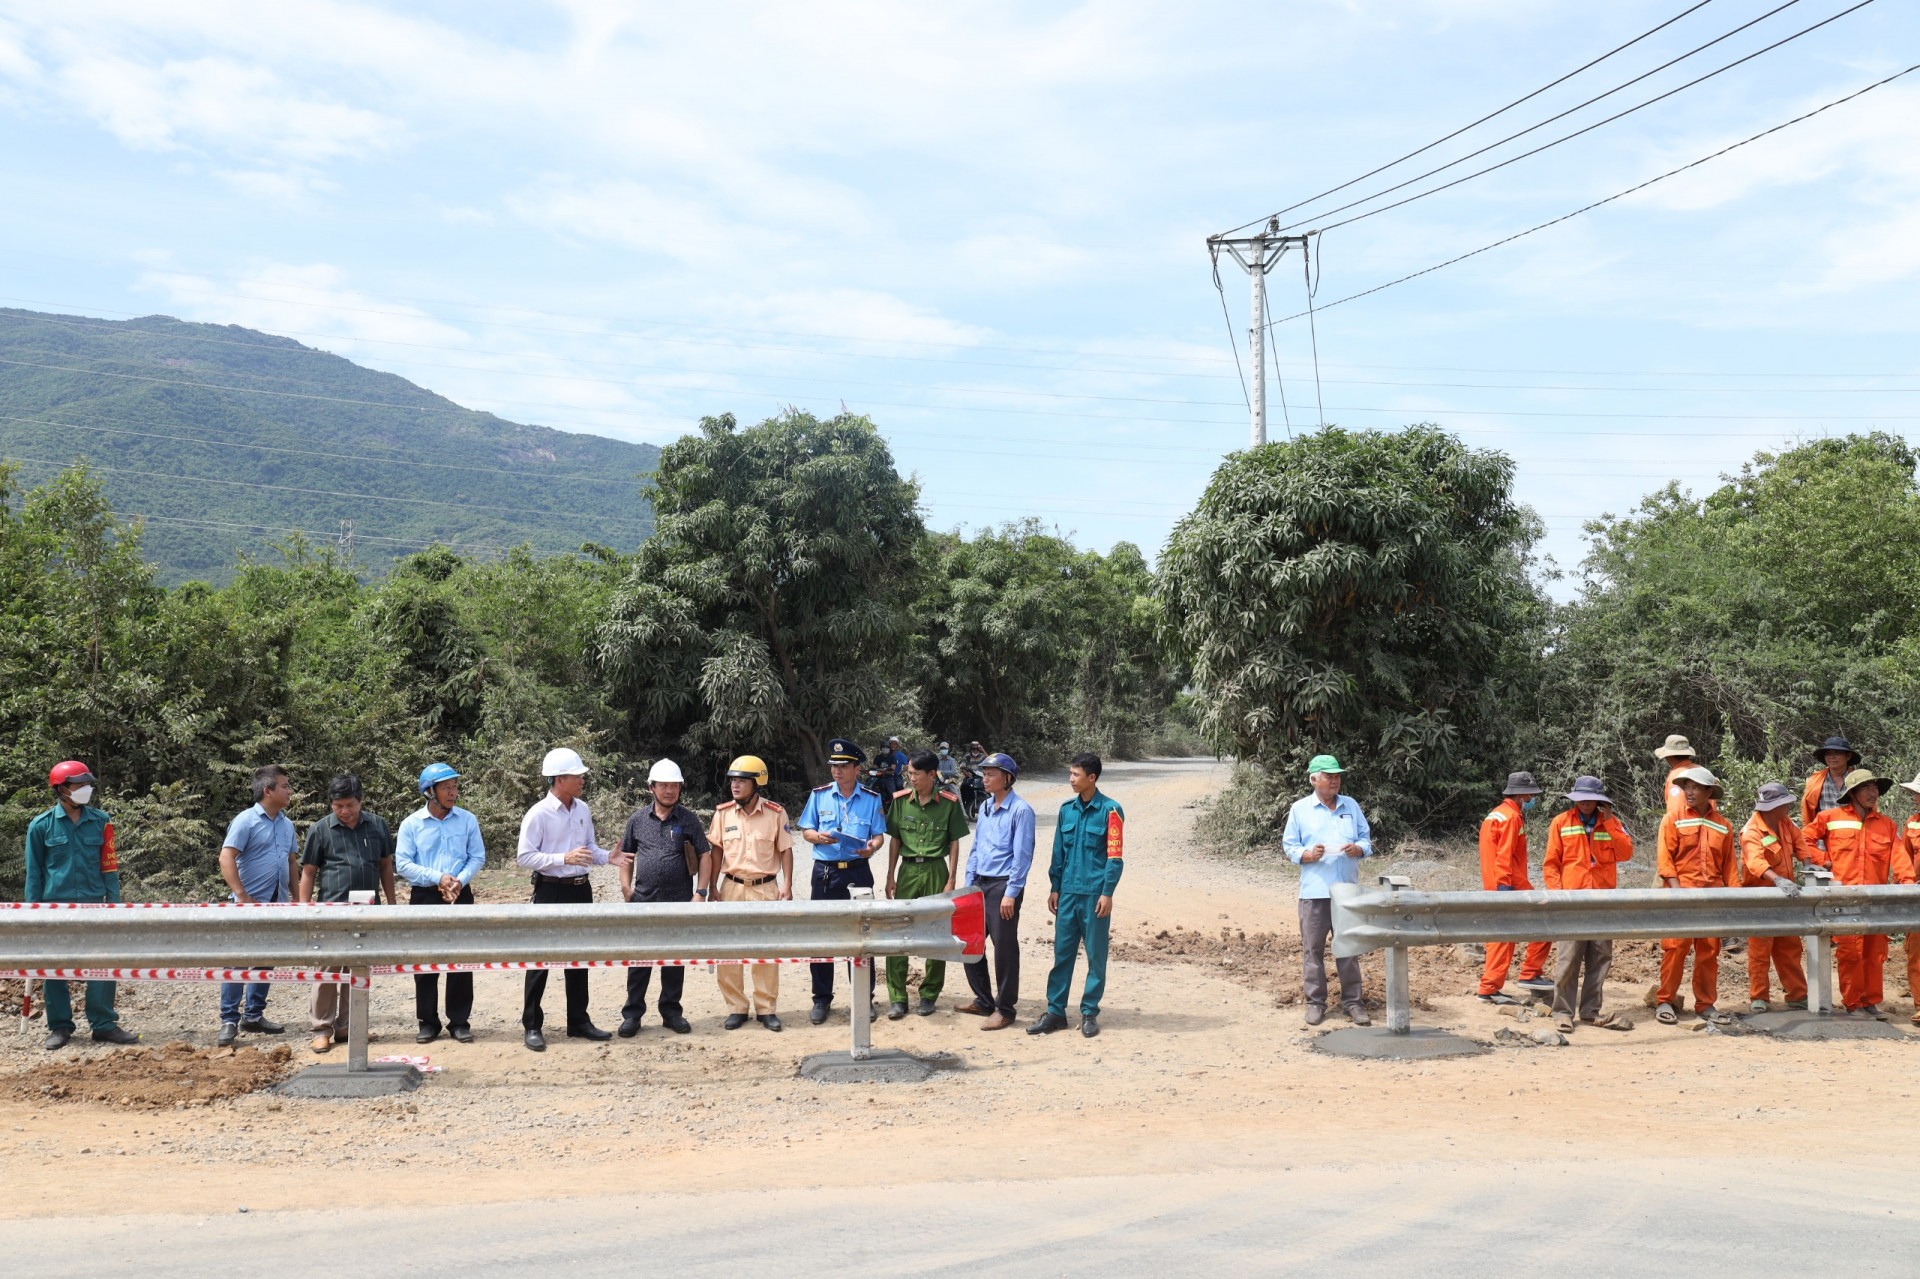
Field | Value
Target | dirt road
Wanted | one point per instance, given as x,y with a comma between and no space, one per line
1200,1131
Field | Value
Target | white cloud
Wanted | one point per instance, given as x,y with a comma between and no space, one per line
312,300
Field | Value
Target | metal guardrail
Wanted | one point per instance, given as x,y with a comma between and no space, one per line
356,939
1394,917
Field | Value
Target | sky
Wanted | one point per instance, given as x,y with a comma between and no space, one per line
984,224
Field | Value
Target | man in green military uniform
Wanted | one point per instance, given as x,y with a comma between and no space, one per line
1087,844
71,858
927,825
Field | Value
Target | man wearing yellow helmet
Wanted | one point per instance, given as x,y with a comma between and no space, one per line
751,861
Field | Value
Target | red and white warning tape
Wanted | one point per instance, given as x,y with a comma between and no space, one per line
149,905
309,976
389,970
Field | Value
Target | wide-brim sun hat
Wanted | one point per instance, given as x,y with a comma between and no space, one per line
1704,777
1523,784
1913,785
1772,795
1677,744
1588,787
1860,777
1836,744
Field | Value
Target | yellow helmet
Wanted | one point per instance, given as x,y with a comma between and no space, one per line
749,766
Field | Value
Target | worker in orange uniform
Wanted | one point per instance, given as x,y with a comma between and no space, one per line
1585,846
1503,868
1696,851
1769,845
1863,846
1678,756
1836,759
1910,840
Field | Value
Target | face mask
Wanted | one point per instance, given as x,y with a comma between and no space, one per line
81,794
1526,804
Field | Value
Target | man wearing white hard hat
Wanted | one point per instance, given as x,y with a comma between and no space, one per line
558,845
667,843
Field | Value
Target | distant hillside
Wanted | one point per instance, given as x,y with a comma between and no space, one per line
224,437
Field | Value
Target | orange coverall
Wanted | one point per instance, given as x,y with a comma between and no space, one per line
1676,798
1910,840
1860,850
1697,849
1810,797
1577,860
1761,850
1503,864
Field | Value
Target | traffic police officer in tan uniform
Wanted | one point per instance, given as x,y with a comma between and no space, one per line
751,861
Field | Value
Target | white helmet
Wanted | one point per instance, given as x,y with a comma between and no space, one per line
562,761
664,770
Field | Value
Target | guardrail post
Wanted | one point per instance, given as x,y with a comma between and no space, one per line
1818,950
862,1007
357,1011
1399,983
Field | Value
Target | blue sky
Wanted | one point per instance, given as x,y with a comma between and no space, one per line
984,224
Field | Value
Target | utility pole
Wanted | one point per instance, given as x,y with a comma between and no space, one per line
346,540
1257,254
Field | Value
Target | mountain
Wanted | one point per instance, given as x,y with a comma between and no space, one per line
226,438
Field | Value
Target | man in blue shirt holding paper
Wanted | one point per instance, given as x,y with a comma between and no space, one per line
438,852
847,824
1326,837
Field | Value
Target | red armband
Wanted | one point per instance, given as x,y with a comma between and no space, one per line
1113,835
109,859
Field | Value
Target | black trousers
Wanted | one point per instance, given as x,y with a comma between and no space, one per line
1003,939
426,986
835,882
673,981
532,1017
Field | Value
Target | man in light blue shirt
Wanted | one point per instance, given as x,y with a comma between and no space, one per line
1326,837
438,852
997,864
847,824
256,860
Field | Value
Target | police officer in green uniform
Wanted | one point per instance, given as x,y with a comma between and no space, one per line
927,825
1088,841
71,858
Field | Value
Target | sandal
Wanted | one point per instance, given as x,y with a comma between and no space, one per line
1611,1021
1564,1025
1665,1015
1757,1006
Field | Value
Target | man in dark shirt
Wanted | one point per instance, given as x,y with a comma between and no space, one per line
667,842
348,851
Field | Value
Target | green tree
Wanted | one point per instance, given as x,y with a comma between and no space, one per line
1354,592
769,610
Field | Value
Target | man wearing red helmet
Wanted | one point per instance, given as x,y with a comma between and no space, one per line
70,858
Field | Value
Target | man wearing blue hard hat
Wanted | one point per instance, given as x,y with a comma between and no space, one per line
997,864
438,852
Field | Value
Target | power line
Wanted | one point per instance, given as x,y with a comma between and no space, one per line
1547,146
316,534
1587,66
1610,199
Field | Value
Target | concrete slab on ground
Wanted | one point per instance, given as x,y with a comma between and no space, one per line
1804,1025
1422,1043
333,1079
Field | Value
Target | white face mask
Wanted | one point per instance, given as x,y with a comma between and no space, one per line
80,795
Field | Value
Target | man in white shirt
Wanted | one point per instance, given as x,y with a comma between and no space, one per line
558,845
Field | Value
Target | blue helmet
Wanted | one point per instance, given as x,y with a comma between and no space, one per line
433,774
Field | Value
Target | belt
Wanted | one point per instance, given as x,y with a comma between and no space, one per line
561,879
751,882
842,865
911,860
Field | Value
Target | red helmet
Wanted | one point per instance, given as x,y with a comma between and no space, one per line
70,771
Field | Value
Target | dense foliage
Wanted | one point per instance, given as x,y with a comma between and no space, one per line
790,596
1360,593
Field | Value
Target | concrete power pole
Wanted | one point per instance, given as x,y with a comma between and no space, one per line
1257,254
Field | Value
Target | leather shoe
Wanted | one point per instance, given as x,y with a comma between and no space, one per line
676,1023
114,1035
770,1021
734,1021
587,1030
229,1031
462,1034
999,1021
818,1014
261,1026
1358,1015
1048,1023
322,1043
427,1035
629,1027
896,1011
977,1008
536,1041
1315,1014
1089,1026
58,1039
924,1008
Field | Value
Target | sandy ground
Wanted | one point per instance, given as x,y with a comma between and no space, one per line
1203,1090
